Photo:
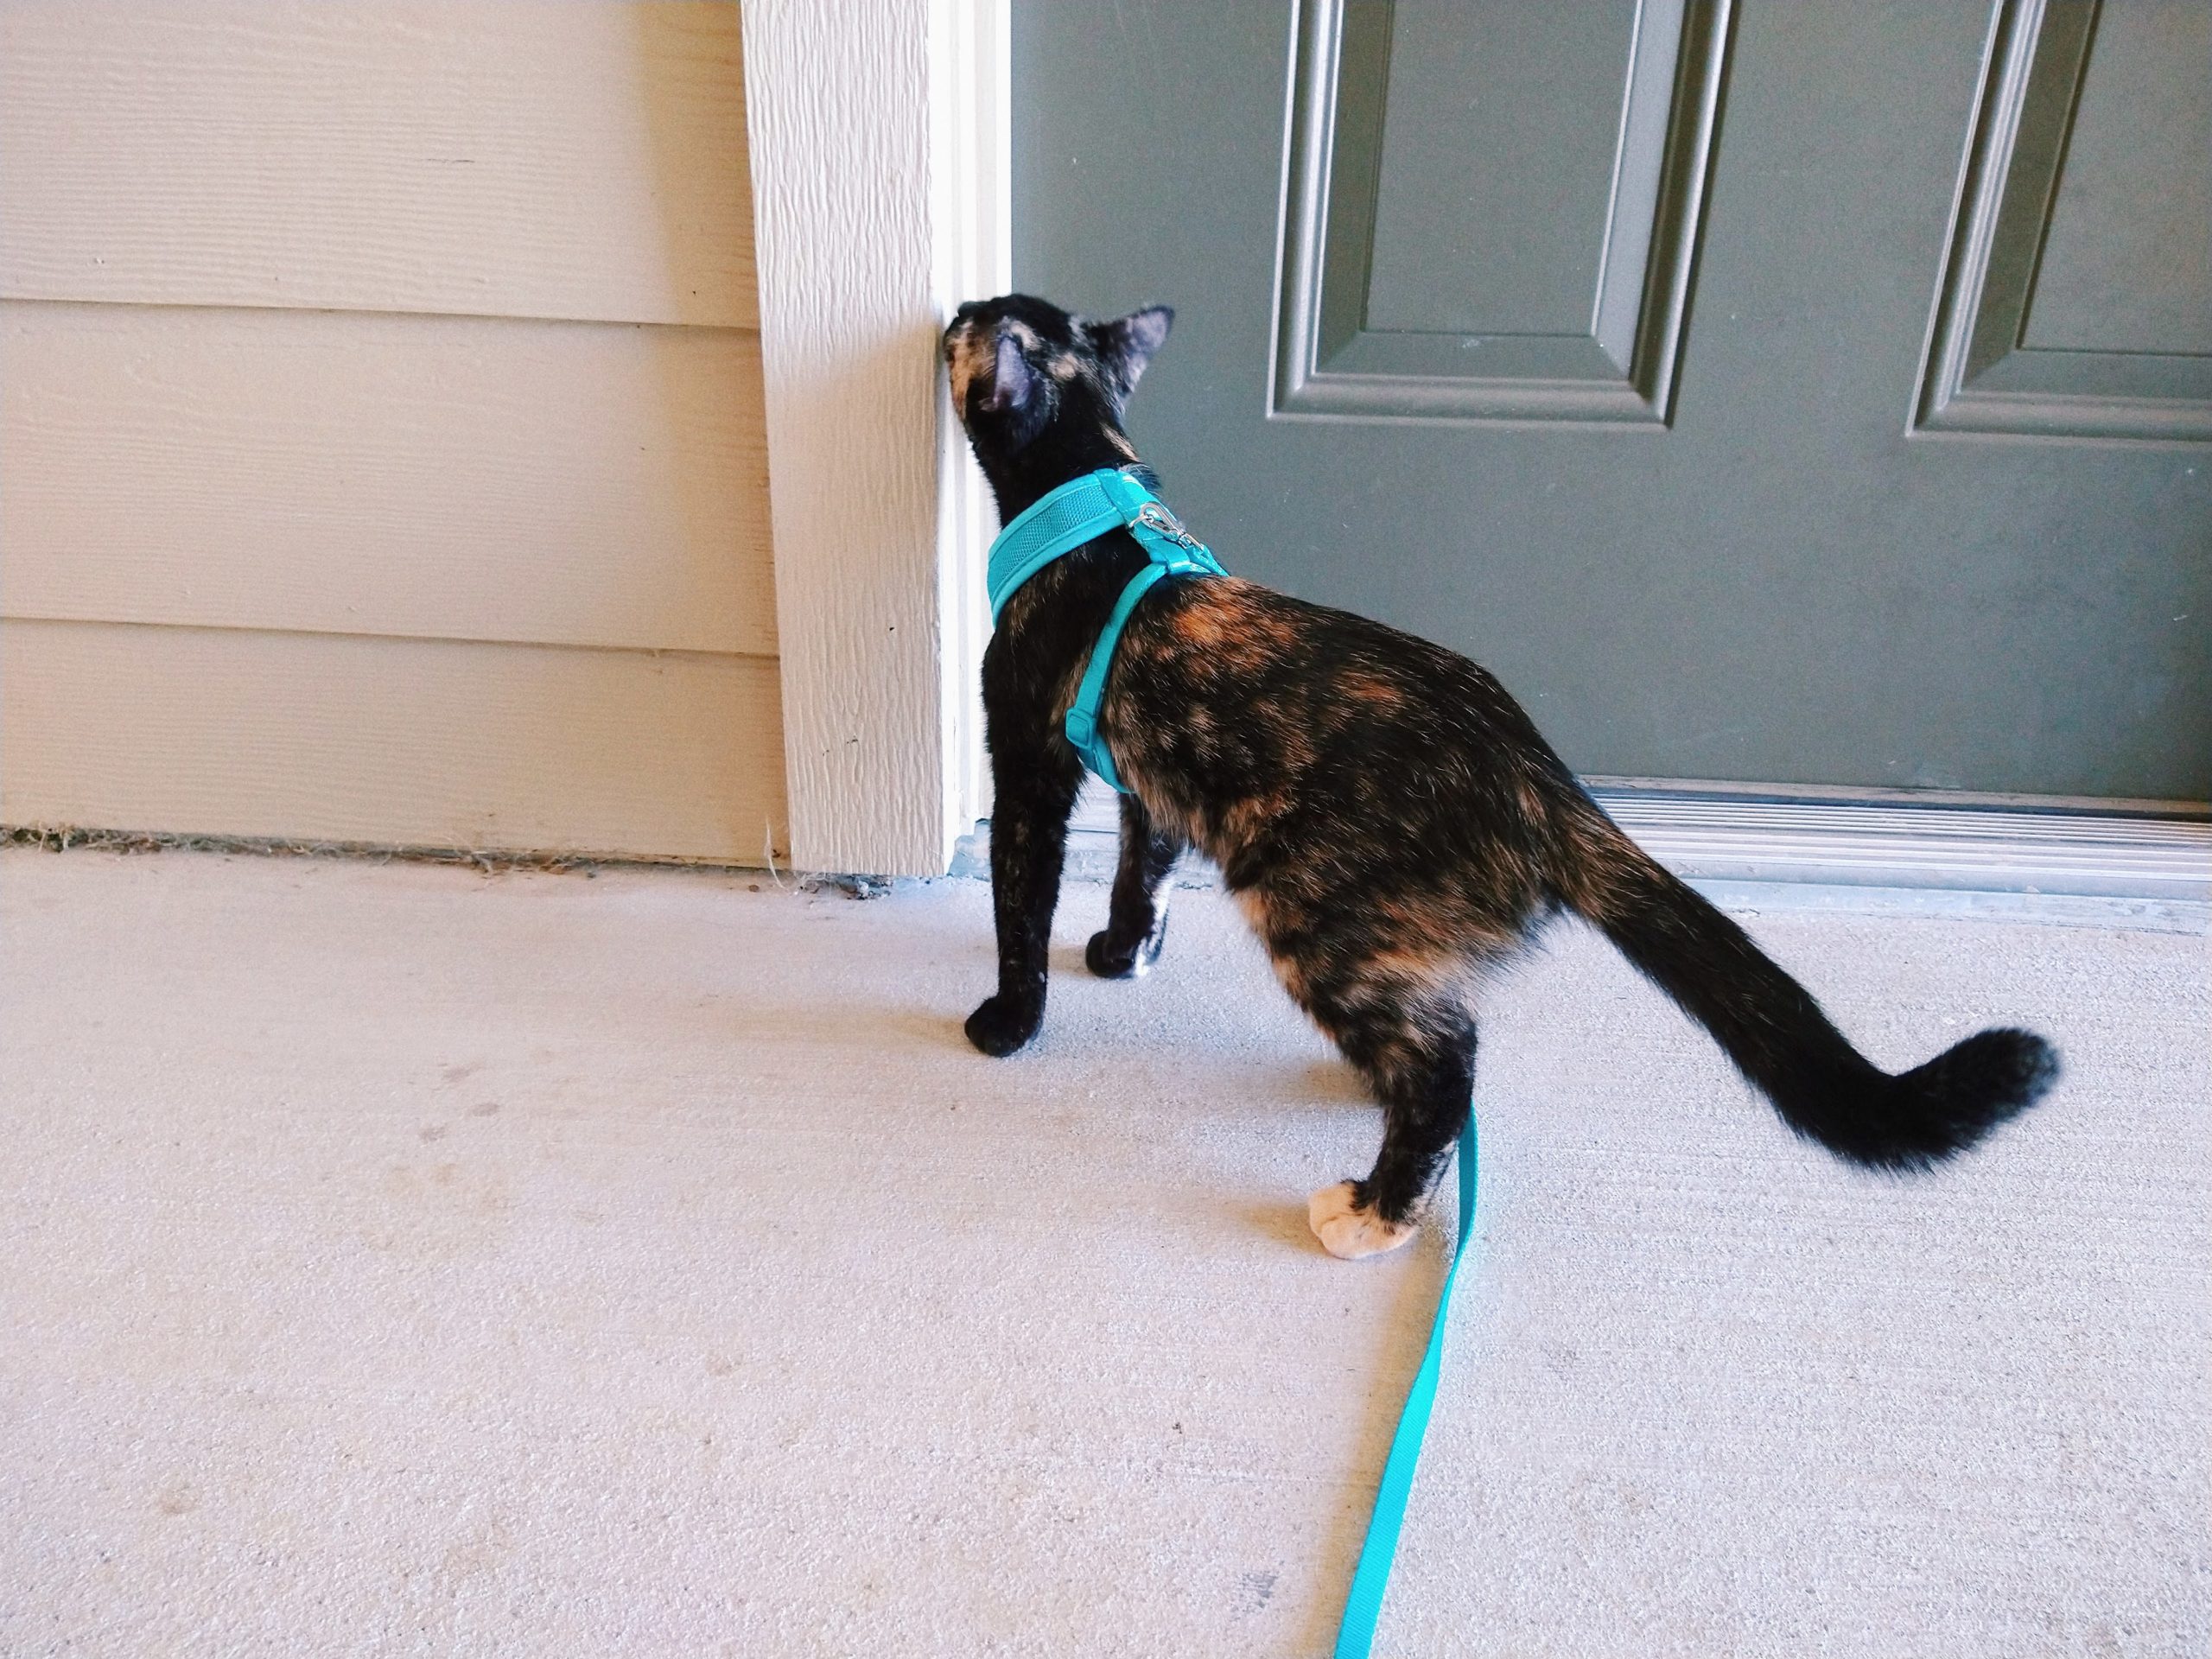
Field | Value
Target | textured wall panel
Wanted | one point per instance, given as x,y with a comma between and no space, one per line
389,741
465,155
446,477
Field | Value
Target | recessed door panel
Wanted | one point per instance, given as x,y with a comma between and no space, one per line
2077,298
2126,259
1500,140
1492,209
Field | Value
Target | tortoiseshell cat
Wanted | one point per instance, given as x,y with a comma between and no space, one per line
1386,816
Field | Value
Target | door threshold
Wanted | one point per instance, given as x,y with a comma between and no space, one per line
1877,839
2103,806
1877,848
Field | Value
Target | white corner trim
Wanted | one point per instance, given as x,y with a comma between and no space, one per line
974,196
881,188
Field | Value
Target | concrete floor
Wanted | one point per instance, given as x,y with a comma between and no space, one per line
401,1260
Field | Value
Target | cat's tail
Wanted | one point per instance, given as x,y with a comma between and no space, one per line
1776,1032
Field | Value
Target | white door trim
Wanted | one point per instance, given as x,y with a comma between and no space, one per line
882,197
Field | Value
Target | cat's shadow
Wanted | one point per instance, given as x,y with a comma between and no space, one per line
804,1023
1068,959
1323,1082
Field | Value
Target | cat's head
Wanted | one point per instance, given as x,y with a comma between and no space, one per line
1021,367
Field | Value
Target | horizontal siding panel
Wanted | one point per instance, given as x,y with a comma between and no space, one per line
445,477
472,156
394,741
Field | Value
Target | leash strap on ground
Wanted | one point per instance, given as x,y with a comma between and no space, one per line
1363,1605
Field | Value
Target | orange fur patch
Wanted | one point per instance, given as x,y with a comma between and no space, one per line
1244,819
1230,619
1254,904
1426,967
968,353
1362,686
1201,626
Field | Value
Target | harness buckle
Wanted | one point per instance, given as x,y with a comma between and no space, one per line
1155,516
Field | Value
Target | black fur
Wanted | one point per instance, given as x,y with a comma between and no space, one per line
1386,814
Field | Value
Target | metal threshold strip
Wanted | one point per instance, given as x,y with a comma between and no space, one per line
1844,839
1891,844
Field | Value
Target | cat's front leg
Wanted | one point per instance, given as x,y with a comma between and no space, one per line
1031,798
1136,916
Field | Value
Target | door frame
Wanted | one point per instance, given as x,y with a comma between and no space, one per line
881,158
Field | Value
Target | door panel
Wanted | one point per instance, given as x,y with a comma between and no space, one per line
1492,211
1500,228
1812,551
2126,262
2077,301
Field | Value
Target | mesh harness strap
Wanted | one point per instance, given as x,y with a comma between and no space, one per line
1082,510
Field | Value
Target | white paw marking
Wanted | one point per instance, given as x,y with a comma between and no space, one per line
1348,1231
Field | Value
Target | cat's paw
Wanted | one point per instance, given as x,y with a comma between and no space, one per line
1349,1231
999,1027
1104,960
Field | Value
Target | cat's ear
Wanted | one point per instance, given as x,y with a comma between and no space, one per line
1126,344
1014,382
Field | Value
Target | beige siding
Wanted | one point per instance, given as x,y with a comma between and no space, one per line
284,555
584,158
419,742
451,477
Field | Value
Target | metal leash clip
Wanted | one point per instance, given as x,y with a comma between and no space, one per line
1155,516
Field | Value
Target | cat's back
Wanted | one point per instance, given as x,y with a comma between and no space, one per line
1229,643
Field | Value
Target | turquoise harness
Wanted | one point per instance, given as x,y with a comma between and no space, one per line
1080,511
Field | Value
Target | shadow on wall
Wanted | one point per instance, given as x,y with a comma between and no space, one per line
688,69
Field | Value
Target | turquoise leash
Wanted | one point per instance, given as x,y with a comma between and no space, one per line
1363,1603
1082,510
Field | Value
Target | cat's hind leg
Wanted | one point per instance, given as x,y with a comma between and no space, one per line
1136,916
1415,1047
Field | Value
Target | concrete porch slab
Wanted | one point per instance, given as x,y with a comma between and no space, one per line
402,1260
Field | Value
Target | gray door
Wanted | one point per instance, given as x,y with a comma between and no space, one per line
1786,392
